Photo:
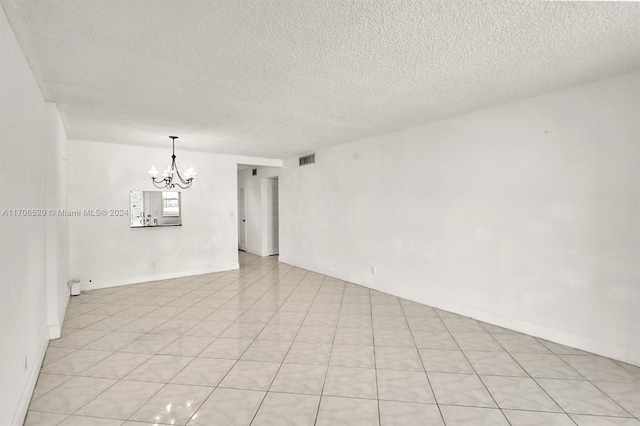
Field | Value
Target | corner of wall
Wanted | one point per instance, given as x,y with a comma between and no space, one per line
30,385
55,330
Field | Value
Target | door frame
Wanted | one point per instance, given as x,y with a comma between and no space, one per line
242,218
273,239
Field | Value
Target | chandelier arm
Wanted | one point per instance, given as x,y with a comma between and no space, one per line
183,180
187,185
155,183
177,172
169,184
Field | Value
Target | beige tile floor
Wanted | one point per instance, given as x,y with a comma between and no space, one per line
275,345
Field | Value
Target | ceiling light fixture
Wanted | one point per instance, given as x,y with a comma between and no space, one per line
171,176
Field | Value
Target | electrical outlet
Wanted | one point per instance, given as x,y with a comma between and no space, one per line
373,270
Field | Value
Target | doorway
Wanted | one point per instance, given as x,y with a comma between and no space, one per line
258,209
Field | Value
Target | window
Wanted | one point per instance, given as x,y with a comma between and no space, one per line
170,204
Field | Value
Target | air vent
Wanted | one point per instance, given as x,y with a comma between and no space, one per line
307,159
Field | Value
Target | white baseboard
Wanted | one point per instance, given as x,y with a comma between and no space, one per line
32,378
55,330
615,352
582,343
115,282
255,252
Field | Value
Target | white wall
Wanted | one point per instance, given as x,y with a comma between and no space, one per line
524,215
258,242
30,298
108,252
57,227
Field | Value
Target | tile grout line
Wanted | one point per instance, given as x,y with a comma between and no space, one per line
375,358
525,371
324,382
532,378
421,361
473,368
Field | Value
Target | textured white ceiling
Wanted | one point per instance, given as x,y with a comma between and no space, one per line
277,78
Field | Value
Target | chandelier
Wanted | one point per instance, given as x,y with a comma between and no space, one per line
171,176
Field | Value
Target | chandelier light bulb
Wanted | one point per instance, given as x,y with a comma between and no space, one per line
153,172
190,173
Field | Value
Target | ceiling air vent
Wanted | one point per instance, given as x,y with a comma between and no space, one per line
307,159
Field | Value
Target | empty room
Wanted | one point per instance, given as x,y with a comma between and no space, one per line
333,212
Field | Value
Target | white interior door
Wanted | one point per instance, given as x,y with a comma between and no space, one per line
242,220
272,216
